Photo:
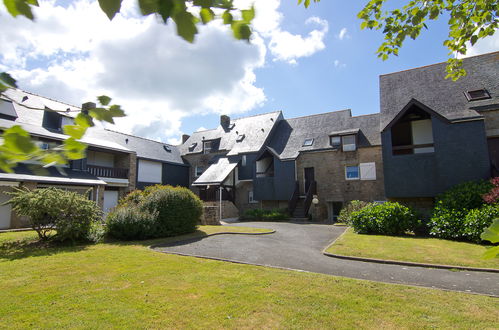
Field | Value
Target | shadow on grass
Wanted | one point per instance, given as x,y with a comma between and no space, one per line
162,242
19,249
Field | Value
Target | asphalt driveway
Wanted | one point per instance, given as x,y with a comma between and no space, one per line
299,246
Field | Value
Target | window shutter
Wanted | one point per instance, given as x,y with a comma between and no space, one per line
368,171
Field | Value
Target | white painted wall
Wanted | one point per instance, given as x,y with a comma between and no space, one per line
263,164
149,171
100,158
5,210
422,134
367,171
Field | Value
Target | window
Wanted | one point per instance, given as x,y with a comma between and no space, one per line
167,148
308,142
348,142
240,137
192,146
198,171
335,142
207,146
251,200
367,171
352,172
52,120
243,160
7,110
413,133
479,94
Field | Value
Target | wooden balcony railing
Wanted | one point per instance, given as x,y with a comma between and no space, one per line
294,199
108,172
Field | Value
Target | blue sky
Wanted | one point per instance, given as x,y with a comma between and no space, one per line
301,61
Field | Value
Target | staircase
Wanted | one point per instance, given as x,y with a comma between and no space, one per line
299,205
299,211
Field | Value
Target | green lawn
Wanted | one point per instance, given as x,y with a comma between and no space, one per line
115,285
413,249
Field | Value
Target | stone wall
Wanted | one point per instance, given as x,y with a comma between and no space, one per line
128,161
332,186
229,210
210,215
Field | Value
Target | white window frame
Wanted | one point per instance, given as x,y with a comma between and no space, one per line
348,147
207,150
196,170
243,160
251,199
335,146
346,172
308,142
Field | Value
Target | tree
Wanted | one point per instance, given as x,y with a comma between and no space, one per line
470,21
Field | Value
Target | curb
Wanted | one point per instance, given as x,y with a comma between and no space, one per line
271,231
403,263
14,230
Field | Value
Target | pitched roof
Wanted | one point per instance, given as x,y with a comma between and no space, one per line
290,134
254,131
444,96
216,173
29,108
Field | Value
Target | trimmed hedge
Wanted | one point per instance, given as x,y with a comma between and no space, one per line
353,206
265,215
385,219
477,220
158,211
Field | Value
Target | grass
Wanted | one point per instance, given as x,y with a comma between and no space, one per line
413,249
115,285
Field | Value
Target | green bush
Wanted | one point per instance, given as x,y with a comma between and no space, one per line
265,215
451,208
478,219
353,206
130,222
67,214
386,219
158,211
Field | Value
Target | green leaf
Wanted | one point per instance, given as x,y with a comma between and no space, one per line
19,7
241,30
227,17
84,120
206,15
166,9
101,114
492,233
104,100
186,26
17,140
248,15
116,111
110,7
74,131
74,149
492,252
7,79
148,7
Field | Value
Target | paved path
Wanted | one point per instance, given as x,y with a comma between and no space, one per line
299,246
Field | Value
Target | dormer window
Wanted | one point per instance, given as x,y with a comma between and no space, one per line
240,137
349,142
192,146
335,142
167,148
231,126
7,110
308,142
52,120
475,95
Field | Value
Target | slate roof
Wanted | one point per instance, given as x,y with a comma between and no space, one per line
256,130
29,108
445,96
287,141
216,173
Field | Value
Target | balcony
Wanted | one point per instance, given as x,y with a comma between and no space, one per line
108,172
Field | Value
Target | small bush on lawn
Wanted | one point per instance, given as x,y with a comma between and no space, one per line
158,211
477,220
353,206
449,216
69,214
385,219
265,215
130,222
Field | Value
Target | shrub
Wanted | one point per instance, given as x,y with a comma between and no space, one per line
178,210
386,219
130,222
477,220
131,199
69,214
493,195
451,208
265,215
353,206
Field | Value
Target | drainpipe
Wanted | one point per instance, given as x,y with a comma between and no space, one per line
220,202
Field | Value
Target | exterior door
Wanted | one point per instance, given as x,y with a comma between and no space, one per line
5,210
110,200
309,177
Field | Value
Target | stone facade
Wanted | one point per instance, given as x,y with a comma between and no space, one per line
210,215
229,210
128,161
332,186
242,197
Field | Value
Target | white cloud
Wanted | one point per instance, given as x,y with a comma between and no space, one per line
487,45
338,64
75,53
343,34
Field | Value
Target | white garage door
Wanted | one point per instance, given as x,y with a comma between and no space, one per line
5,210
110,200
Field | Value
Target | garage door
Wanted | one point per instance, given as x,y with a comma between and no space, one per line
110,200
5,210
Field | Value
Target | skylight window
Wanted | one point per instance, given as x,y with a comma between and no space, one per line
240,137
167,148
231,125
308,142
479,94
192,146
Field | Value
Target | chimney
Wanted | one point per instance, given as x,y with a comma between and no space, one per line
87,106
185,137
224,121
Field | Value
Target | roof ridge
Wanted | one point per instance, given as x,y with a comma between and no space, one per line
368,114
320,114
435,64
48,98
257,115
140,137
